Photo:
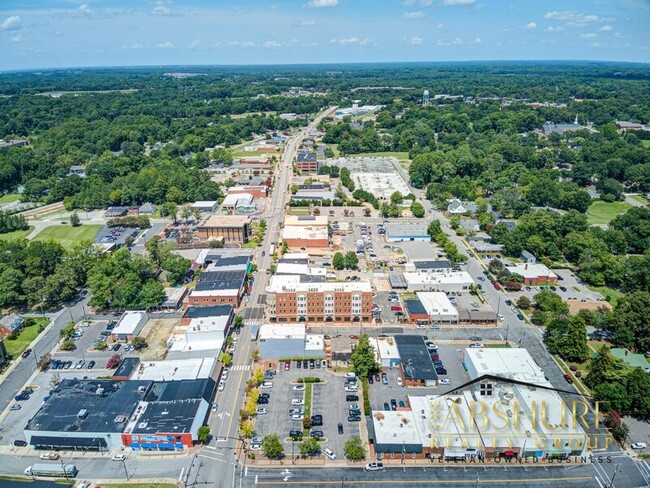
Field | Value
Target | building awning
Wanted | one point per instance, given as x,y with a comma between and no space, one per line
509,453
68,442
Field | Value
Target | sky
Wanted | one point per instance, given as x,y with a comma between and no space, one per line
67,33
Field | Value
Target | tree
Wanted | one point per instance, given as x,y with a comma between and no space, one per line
272,447
604,367
246,429
44,362
417,209
113,361
524,303
363,357
139,343
614,395
153,248
310,447
239,321
638,392
354,449
225,359
203,433
338,260
177,268
549,301
258,376
630,320
75,221
67,331
396,198
351,260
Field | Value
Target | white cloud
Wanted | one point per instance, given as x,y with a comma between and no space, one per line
195,43
589,35
136,45
241,44
530,26
424,3
164,45
476,41
606,28
322,4
457,2
351,40
439,25
413,15
554,29
571,17
450,42
10,23
162,8
84,9
414,41
272,44
304,23
16,38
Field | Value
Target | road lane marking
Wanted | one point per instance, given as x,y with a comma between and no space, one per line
424,481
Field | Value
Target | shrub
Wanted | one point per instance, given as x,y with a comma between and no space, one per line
68,345
578,374
573,367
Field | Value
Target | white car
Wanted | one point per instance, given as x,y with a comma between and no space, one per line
299,388
500,317
297,417
374,467
297,402
399,381
351,389
444,381
350,376
639,445
119,457
260,411
222,385
476,345
329,453
214,407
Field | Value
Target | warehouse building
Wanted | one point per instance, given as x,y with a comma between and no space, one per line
416,365
305,231
289,341
453,281
129,326
399,232
386,352
233,202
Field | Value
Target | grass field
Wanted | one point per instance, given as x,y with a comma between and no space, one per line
641,199
645,143
388,154
19,234
604,291
601,212
68,235
25,338
9,197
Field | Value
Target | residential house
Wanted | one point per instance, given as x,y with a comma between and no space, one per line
11,324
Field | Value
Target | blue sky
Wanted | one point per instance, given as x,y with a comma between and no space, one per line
67,33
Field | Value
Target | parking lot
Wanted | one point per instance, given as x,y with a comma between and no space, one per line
115,235
450,354
328,400
84,346
15,421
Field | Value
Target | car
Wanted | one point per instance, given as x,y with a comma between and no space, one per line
298,364
119,457
80,364
639,445
399,381
263,253
116,346
312,364
300,387
266,385
305,364
262,401
91,364
329,453
21,397
260,411
350,376
354,418
563,288
354,406
351,398
384,378
476,345
28,391
256,447
287,365
393,404
441,371
222,385
340,427
351,388
316,433
20,443
214,406
295,434
553,288
377,378
297,417
567,378
297,402
520,316
396,308
402,404
444,381
438,363
323,363
265,395
374,467
50,456
26,353
476,338
293,411
270,372
316,420
15,406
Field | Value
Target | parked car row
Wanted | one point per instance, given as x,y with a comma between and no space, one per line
308,363
78,364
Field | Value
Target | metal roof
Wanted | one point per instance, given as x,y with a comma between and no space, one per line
209,311
416,362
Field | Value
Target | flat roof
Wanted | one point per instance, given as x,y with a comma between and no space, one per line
436,303
234,199
382,185
176,369
454,277
204,204
511,363
416,362
307,232
305,220
397,280
418,250
295,283
395,428
226,221
386,347
221,280
129,323
109,405
415,307
406,230
432,264
126,367
209,311
278,331
530,270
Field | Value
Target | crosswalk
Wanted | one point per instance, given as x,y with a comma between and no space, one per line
248,323
240,367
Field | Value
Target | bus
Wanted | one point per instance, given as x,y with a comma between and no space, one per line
52,470
255,331
271,249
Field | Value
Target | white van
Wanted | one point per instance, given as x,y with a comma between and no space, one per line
329,453
267,385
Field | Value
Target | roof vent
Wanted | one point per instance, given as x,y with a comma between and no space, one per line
99,391
142,425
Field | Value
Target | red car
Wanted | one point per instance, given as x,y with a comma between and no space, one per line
287,365
396,308
497,286
568,379
354,337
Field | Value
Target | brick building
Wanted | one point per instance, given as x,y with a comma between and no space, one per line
233,228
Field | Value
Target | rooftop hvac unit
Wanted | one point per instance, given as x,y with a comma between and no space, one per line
99,391
83,413
142,389
142,425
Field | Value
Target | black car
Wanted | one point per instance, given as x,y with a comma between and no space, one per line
317,420
116,346
91,364
312,364
305,364
354,418
386,407
441,371
563,288
54,364
520,316
351,398
377,378
316,433
370,379
21,397
19,443
393,404
553,288
265,395
28,391
340,428
262,401
296,434
509,303
298,364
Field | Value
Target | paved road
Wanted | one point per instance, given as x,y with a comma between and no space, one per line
216,463
24,369
157,226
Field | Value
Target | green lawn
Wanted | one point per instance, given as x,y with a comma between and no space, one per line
601,212
604,291
19,234
386,154
243,154
308,388
498,346
16,348
9,197
335,149
641,199
68,235
645,143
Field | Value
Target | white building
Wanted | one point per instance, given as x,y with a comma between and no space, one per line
288,341
235,200
129,326
205,205
202,334
386,352
382,185
176,369
447,282
438,307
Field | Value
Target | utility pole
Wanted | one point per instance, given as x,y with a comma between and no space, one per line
616,467
126,473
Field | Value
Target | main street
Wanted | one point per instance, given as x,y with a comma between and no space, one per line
218,462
